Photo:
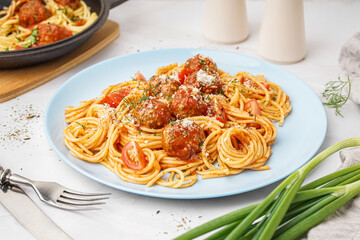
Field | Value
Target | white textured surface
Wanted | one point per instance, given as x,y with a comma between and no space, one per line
146,25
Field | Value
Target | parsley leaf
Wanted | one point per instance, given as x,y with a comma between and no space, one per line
31,38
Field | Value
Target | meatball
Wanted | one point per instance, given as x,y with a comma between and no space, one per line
206,82
196,63
163,86
73,4
32,13
183,139
153,114
201,62
50,32
187,102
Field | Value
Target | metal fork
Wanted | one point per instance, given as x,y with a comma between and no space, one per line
55,194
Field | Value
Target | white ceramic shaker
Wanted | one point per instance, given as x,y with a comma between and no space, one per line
282,32
225,21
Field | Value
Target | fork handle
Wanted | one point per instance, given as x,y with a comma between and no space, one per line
17,179
6,177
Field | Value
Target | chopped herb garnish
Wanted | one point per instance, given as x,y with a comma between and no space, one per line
82,125
157,93
6,49
143,98
127,118
202,62
117,111
234,80
168,97
130,102
116,91
221,92
73,17
65,10
31,38
135,80
151,87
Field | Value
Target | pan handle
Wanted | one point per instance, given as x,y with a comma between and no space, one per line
114,3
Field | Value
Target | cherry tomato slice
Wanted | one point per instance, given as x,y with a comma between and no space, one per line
114,99
253,108
266,85
183,73
216,110
138,76
133,156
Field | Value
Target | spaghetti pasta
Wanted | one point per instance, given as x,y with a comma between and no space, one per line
147,132
32,23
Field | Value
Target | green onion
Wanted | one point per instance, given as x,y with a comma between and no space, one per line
294,208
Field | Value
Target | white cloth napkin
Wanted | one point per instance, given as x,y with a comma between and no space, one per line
344,224
349,63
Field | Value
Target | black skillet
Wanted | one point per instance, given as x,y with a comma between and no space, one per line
31,56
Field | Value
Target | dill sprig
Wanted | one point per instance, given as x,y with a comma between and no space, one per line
334,96
131,102
143,98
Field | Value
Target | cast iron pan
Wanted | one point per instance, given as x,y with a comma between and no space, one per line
31,56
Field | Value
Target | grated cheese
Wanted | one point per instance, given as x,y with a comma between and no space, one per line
186,122
175,76
205,78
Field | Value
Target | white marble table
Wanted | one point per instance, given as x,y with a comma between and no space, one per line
146,25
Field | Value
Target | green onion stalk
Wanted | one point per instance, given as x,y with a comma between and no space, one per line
289,210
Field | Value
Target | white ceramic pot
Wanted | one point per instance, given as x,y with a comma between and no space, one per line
225,21
282,32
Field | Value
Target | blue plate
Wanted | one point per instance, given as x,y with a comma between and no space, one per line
297,141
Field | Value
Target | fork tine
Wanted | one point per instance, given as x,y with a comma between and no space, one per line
73,208
84,198
78,203
68,190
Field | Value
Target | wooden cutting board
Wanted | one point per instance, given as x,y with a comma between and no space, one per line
14,82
